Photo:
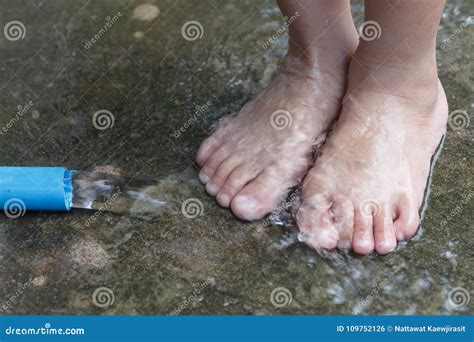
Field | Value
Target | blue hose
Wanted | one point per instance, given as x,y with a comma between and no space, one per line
35,188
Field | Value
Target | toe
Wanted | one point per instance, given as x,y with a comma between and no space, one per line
316,222
363,239
235,181
407,222
343,211
384,234
220,176
260,196
208,146
211,165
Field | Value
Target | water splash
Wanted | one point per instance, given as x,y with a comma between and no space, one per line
144,198
284,215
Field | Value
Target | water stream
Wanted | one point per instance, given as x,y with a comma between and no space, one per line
144,198
152,198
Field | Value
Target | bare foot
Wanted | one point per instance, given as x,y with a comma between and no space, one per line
252,159
367,186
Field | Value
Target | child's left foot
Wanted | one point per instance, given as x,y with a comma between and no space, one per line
366,188
254,158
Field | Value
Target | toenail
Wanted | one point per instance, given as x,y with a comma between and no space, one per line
212,189
246,202
385,246
203,177
328,238
223,199
246,206
363,244
344,244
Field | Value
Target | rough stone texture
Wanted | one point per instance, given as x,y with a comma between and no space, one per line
152,79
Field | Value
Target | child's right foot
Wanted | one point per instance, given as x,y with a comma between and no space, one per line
252,159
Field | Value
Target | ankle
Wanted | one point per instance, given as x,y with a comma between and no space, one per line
324,55
322,31
394,74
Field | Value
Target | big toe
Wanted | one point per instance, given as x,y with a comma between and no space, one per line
261,196
316,223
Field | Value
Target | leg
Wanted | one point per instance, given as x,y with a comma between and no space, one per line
320,24
366,188
252,159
